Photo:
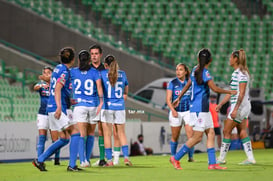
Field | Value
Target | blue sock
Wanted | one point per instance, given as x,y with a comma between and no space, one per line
108,152
125,151
173,146
211,156
81,149
74,149
52,149
41,144
191,152
185,149
89,146
57,153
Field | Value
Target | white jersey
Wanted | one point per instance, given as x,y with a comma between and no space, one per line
239,77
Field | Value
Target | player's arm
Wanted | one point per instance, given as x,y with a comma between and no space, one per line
58,101
100,93
242,90
37,87
125,94
225,100
169,102
184,90
218,89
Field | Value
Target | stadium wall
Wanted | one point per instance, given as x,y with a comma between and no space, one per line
44,37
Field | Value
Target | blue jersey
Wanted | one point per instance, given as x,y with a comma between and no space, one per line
60,74
176,86
113,96
44,95
200,93
84,87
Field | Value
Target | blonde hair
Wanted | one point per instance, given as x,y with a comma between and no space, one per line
113,69
241,55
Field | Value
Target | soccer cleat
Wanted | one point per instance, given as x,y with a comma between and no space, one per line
96,163
191,160
175,163
85,164
221,161
57,161
109,164
73,169
248,162
116,162
216,167
127,162
39,165
102,163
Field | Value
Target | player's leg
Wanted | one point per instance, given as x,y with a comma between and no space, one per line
189,133
90,141
101,144
117,146
176,125
107,133
55,137
42,125
83,133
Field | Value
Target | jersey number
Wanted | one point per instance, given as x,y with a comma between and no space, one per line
118,89
53,83
88,87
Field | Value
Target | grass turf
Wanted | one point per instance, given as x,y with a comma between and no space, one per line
149,168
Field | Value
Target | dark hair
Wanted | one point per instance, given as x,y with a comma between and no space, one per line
113,69
67,55
96,47
204,56
140,135
84,60
186,69
47,67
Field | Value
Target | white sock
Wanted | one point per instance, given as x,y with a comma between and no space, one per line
224,149
248,150
116,156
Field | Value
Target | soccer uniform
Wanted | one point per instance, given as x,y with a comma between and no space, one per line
113,110
85,93
182,109
61,75
245,106
42,117
199,106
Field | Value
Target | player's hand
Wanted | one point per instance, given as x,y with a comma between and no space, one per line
217,108
58,113
233,114
175,114
233,92
99,108
73,101
175,103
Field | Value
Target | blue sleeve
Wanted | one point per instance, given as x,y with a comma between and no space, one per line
97,75
170,86
125,79
206,75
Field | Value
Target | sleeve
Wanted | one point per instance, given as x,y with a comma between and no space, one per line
170,86
243,78
206,75
97,75
125,79
63,77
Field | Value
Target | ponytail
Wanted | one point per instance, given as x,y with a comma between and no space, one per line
204,56
242,61
113,69
84,60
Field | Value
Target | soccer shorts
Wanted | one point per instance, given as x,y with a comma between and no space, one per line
84,114
182,119
202,121
42,121
113,116
59,124
242,113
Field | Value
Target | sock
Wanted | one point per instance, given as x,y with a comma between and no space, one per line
125,151
52,149
81,149
248,148
74,149
224,149
191,152
101,147
173,146
108,152
41,144
211,156
89,147
57,153
183,150
116,154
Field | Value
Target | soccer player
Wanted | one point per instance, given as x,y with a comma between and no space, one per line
86,87
200,82
115,91
240,107
42,118
56,108
179,115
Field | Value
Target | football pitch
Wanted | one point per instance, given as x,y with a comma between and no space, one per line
149,168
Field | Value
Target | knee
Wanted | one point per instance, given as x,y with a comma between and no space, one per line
243,134
226,132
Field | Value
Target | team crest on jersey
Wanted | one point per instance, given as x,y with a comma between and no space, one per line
70,86
177,92
208,75
62,79
199,120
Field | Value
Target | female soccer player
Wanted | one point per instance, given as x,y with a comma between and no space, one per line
42,118
86,87
240,107
115,90
181,114
200,81
56,108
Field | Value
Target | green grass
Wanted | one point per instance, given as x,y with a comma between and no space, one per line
150,168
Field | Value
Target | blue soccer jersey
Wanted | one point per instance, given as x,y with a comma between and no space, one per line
113,96
176,86
60,74
44,95
84,87
200,93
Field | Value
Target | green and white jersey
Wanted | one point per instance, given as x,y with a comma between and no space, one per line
239,77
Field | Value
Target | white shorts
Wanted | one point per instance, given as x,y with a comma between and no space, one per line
114,117
202,122
242,113
59,124
42,121
84,114
182,119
